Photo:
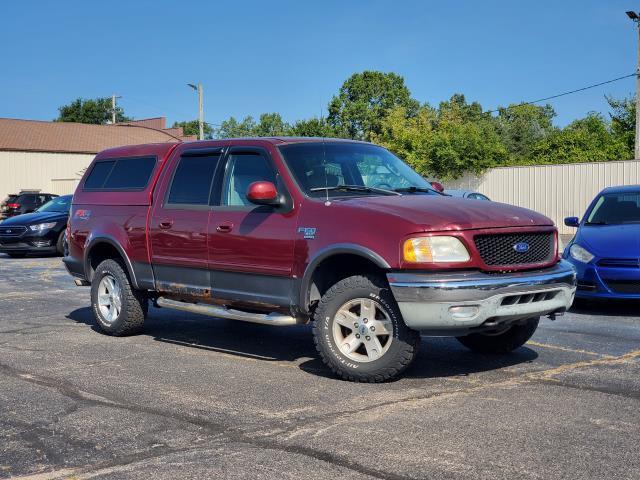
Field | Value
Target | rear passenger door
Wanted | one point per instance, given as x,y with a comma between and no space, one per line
179,223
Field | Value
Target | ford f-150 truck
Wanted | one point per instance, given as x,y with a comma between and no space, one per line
285,231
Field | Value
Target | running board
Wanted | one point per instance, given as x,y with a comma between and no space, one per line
223,312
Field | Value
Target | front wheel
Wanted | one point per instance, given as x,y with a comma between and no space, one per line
359,332
502,341
119,309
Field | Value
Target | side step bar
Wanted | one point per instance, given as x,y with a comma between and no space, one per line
223,312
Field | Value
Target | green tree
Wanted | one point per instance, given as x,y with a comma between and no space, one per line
231,128
96,111
437,143
521,127
271,125
623,119
590,139
192,127
364,101
313,127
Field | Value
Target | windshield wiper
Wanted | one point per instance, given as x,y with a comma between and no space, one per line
355,188
413,189
596,223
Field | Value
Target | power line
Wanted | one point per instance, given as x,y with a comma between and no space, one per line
564,93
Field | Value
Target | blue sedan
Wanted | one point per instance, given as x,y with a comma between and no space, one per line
606,248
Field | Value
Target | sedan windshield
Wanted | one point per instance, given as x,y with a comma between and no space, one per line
58,204
615,209
341,169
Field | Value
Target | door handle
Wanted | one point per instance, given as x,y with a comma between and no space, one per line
166,224
225,227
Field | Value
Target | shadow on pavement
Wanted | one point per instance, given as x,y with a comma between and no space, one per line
438,357
608,307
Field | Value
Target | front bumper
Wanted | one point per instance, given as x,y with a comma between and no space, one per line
26,241
458,303
596,281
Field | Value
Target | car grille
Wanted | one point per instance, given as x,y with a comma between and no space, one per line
499,250
12,231
624,286
619,262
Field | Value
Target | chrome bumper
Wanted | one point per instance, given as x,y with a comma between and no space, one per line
457,303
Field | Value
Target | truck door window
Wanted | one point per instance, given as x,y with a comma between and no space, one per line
242,170
191,183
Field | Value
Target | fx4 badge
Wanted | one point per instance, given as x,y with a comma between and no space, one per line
308,232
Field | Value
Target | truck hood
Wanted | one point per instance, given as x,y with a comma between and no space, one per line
436,213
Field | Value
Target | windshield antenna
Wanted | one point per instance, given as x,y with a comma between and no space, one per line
324,167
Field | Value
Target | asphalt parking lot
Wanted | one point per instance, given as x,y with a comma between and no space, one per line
195,397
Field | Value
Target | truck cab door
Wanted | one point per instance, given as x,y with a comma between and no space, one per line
179,220
251,246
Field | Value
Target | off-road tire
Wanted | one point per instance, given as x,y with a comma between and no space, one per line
506,342
60,243
401,351
135,303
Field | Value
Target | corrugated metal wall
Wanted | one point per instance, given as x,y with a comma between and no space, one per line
558,191
49,172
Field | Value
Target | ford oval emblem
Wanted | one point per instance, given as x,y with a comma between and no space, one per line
521,247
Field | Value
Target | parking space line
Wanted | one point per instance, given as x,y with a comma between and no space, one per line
566,349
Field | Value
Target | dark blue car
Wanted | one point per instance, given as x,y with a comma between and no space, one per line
606,248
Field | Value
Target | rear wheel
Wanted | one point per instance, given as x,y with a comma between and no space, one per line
118,308
359,332
501,341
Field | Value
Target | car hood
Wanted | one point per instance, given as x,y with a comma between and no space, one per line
611,241
435,212
34,218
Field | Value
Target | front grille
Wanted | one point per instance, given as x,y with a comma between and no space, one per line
12,231
624,286
620,262
500,250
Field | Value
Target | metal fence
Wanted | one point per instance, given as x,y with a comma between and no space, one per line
557,191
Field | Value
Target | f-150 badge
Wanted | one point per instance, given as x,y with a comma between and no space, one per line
308,232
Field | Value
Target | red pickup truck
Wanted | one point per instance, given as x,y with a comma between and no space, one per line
284,231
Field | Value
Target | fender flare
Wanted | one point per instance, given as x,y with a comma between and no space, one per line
330,251
102,238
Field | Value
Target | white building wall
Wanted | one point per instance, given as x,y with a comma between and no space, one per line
49,172
557,191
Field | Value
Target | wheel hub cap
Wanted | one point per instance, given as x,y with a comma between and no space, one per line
109,298
362,330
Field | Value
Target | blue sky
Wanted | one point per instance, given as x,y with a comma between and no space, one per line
292,56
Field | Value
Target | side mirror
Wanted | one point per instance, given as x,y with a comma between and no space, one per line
263,193
437,186
572,222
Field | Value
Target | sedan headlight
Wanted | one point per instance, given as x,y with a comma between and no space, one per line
579,253
41,227
437,249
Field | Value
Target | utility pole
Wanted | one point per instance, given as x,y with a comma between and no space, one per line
198,88
636,19
113,107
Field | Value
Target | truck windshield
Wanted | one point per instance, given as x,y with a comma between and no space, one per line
343,169
615,209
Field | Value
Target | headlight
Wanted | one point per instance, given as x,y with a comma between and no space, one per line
579,253
41,227
437,249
